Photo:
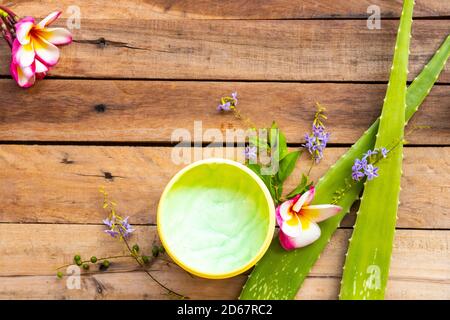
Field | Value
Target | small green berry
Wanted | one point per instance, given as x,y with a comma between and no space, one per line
78,262
85,266
155,251
106,263
77,258
135,248
146,259
93,259
161,249
59,274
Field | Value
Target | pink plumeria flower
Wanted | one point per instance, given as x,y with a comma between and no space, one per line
35,48
25,76
298,220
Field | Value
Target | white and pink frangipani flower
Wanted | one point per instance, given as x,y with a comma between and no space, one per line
298,220
25,76
35,48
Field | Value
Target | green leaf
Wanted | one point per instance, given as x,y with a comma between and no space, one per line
279,192
274,126
273,188
279,142
256,168
267,179
297,264
282,145
258,142
302,187
287,166
366,268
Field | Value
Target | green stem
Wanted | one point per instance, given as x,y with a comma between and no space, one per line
4,10
170,291
311,166
247,121
89,261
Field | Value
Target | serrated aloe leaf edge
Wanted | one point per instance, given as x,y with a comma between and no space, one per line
366,268
280,274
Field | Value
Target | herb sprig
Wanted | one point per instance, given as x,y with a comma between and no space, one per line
271,143
120,229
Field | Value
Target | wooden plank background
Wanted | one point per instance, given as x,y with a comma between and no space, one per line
283,50
138,70
233,9
136,111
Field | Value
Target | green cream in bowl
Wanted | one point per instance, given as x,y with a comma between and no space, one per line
216,218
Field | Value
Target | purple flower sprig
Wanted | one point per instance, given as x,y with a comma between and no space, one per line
251,153
117,226
228,103
316,142
121,229
365,167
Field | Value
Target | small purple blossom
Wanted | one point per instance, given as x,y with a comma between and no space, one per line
309,141
358,169
234,96
316,142
357,175
112,233
118,226
108,222
250,152
224,107
370,153
359,164
320,133
363,168
371,172
228,103
127,229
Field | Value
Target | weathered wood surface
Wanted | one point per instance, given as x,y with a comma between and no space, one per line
143,111
59,184
144,50
230,9
288,50
136,285
49,246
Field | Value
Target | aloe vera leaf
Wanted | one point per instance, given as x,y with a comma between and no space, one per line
422,85
280,274
366,268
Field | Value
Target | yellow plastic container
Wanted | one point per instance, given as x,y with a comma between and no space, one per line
216,218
